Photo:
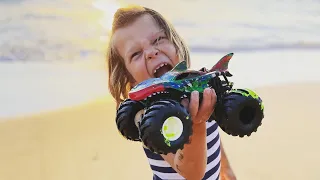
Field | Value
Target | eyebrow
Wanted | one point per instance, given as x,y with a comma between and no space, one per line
155,34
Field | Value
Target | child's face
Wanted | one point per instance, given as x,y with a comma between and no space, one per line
146,50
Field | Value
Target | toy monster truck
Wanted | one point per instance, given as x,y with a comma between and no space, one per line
166,125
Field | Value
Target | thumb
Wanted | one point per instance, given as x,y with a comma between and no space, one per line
185,102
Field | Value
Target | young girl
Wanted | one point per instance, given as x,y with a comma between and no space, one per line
144,45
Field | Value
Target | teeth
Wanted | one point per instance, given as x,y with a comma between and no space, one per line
161,65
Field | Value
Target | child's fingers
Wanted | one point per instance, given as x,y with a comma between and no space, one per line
213,98
185,103
206,107
194,104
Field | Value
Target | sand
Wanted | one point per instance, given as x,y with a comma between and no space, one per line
82,143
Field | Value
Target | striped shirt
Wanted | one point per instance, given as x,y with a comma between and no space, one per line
163,171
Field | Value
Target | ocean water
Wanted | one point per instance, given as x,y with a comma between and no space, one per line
61,30
52,52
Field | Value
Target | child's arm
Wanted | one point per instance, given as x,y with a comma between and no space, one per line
191,161
226,170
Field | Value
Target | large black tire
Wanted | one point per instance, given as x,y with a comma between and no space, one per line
125,119
241,113
155,122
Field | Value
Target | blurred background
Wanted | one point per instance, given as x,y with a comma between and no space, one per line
57,117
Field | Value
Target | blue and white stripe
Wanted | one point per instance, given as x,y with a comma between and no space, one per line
163,171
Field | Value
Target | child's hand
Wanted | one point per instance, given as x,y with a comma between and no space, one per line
201,112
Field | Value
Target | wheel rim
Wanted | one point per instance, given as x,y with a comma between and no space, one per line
172,128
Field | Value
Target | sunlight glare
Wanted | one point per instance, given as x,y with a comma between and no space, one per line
108,8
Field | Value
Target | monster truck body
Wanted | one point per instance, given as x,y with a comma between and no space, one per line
181,81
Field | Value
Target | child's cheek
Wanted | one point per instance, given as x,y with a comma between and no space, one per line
141,74
170,51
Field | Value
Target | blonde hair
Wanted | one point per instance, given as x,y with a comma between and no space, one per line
118,76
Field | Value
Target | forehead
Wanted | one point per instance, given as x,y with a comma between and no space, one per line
143,28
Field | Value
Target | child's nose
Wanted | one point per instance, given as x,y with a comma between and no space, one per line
151,53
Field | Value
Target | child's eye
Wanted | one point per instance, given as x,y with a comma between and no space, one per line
135,54
159,38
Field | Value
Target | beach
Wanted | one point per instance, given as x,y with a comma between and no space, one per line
82,143
68,131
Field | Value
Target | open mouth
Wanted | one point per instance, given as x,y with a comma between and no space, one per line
162,69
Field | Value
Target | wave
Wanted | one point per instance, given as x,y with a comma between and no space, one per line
62,30
248,47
